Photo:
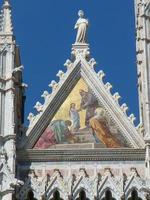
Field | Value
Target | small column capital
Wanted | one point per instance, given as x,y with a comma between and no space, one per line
79,49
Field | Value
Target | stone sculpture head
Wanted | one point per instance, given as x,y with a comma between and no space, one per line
81,13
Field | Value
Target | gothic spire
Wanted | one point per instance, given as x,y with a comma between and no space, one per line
5,19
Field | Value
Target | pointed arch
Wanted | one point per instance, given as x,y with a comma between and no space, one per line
134,195
108,183
82,195
55,194
134,183
108,195
30,195
83,183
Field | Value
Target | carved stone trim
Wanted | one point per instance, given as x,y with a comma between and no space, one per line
33,155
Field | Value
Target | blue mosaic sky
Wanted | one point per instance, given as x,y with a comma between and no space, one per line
45,32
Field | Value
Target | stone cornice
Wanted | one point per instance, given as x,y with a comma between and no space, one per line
34,155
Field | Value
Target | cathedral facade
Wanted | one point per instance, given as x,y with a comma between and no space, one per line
81,144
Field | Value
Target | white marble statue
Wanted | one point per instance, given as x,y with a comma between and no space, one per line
81,25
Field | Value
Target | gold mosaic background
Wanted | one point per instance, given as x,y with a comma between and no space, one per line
74,97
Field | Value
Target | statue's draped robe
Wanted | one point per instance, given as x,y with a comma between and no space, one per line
82,30
75,119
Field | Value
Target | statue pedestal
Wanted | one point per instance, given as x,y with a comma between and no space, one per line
81,49
80,46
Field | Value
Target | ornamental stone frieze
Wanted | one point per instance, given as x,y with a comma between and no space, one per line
95,186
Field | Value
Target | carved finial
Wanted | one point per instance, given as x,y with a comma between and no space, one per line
53,85
60,74
57,173
132,118
108,172
45,95
92,62
68,63
108,86
31,117
133,172
82,172
81,26
116,97
101,75
124,108
140,128
18,69
38,106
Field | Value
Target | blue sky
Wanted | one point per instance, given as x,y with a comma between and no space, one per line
44,31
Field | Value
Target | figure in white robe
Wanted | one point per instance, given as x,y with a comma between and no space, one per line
75,118
81,25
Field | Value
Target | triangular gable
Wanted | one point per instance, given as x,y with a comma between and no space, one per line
81,66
